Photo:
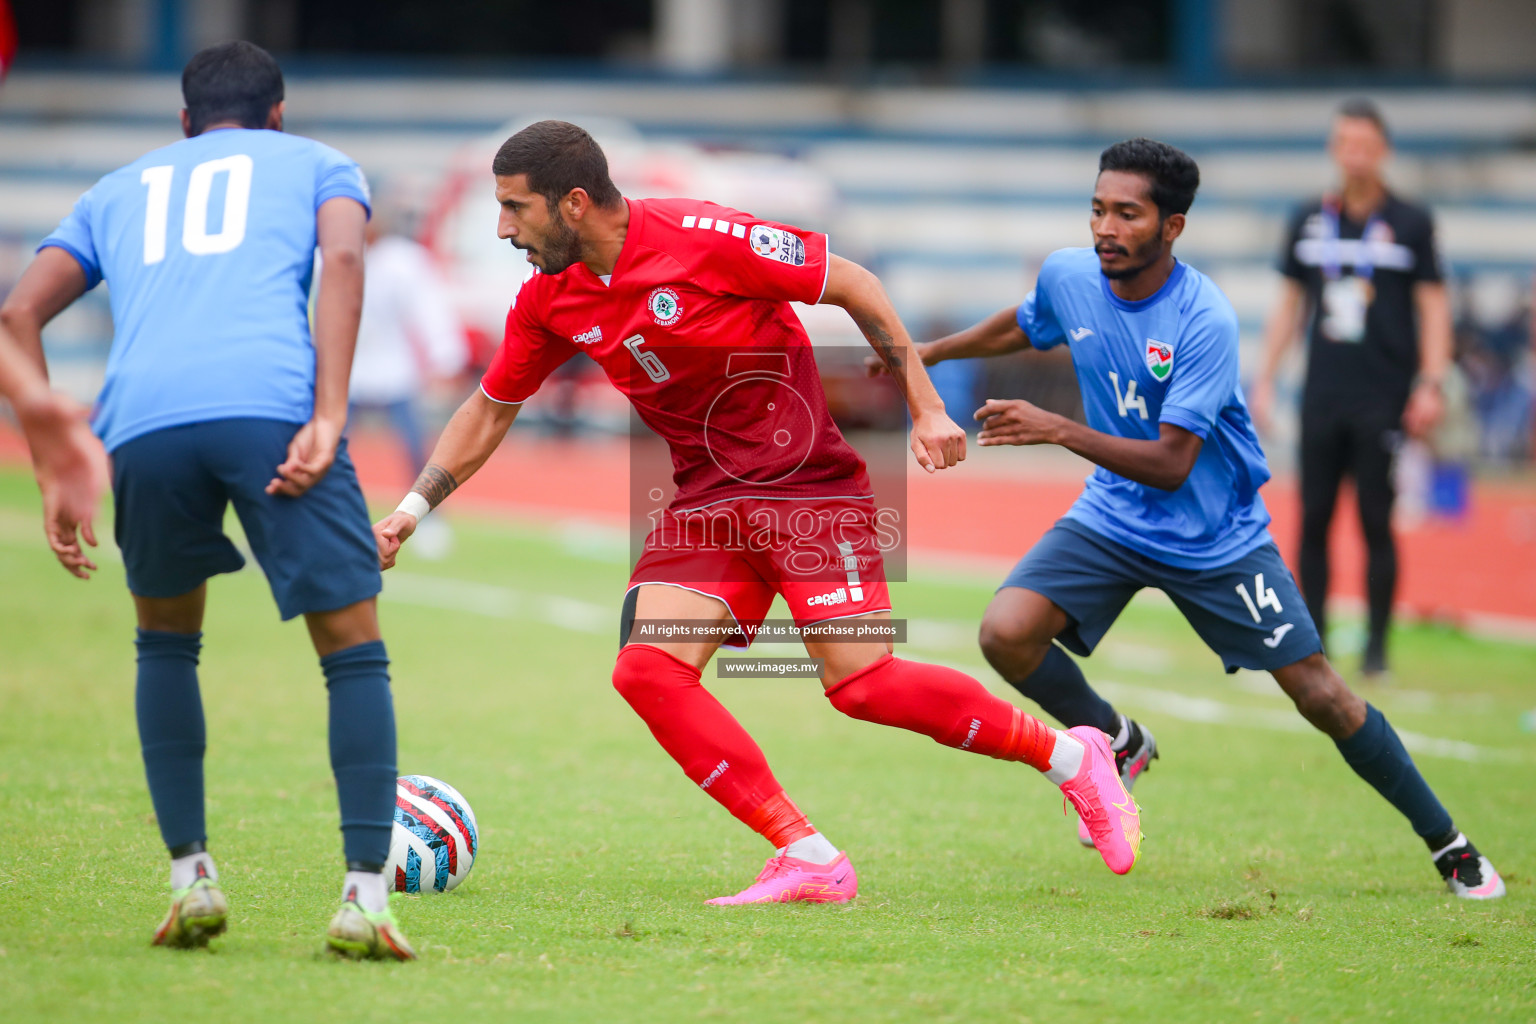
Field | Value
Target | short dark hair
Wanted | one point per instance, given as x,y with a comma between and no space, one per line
235,81
557,156
1174,176
1362,109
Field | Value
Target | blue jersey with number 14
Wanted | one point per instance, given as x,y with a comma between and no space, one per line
1169,358
208,246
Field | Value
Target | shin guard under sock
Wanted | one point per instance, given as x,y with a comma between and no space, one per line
706,741
172,734
1376,754
362,736
945,705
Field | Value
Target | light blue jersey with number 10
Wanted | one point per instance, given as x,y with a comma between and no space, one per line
208,246
1170,358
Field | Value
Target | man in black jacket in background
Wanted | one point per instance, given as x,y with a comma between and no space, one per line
1362,264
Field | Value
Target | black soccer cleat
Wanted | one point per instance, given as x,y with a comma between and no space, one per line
1467,873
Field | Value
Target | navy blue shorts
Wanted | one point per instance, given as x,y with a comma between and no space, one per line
172,486
1249,611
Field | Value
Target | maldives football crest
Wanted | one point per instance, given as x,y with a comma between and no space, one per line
1159,358
665,309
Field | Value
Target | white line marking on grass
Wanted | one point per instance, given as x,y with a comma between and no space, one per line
1203,709
496,602
573,614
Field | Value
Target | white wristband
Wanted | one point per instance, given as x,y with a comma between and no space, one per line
414,505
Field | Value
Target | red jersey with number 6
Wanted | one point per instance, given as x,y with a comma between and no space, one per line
695,327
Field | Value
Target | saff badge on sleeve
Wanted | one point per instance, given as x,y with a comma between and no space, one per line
777,244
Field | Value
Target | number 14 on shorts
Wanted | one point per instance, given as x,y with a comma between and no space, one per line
1262,597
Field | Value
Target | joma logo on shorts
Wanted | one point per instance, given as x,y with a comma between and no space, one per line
838,596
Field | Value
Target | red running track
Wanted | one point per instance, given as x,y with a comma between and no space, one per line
1481,566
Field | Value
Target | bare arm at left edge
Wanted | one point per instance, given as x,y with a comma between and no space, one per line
67,459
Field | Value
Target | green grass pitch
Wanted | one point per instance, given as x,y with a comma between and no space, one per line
1273,885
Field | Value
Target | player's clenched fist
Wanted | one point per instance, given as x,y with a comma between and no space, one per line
1016,422
389,533
937,441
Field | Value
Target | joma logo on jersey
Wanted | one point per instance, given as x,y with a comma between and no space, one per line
591,337
838,596
1159,358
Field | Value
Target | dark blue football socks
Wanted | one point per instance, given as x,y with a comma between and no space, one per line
1376,754
172,735
1062,691
362,733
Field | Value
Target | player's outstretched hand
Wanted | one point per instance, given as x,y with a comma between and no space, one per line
937,441
391,532
310,455
71,469
1015,422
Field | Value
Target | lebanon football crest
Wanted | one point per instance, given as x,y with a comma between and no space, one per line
1159,358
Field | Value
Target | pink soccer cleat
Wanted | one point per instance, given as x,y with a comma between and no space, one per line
1133,760
788,880
1106,809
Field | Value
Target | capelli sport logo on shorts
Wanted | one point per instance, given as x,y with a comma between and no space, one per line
838,596
777,244
591,337
665,308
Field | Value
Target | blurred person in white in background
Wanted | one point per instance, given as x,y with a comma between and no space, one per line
409,339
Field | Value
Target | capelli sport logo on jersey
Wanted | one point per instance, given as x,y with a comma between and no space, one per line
1159,358
777,244
665,308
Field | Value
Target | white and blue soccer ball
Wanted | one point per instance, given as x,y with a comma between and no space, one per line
435,837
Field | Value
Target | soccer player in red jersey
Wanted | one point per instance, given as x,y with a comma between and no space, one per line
685,305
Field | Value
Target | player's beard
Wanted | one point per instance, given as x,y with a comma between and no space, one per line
1143,257
558,249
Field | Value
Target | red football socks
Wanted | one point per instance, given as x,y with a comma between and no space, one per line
779,821
707,742
948,706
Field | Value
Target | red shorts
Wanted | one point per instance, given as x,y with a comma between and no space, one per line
823,555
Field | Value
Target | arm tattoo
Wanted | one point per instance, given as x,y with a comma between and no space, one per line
885,347
434,484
